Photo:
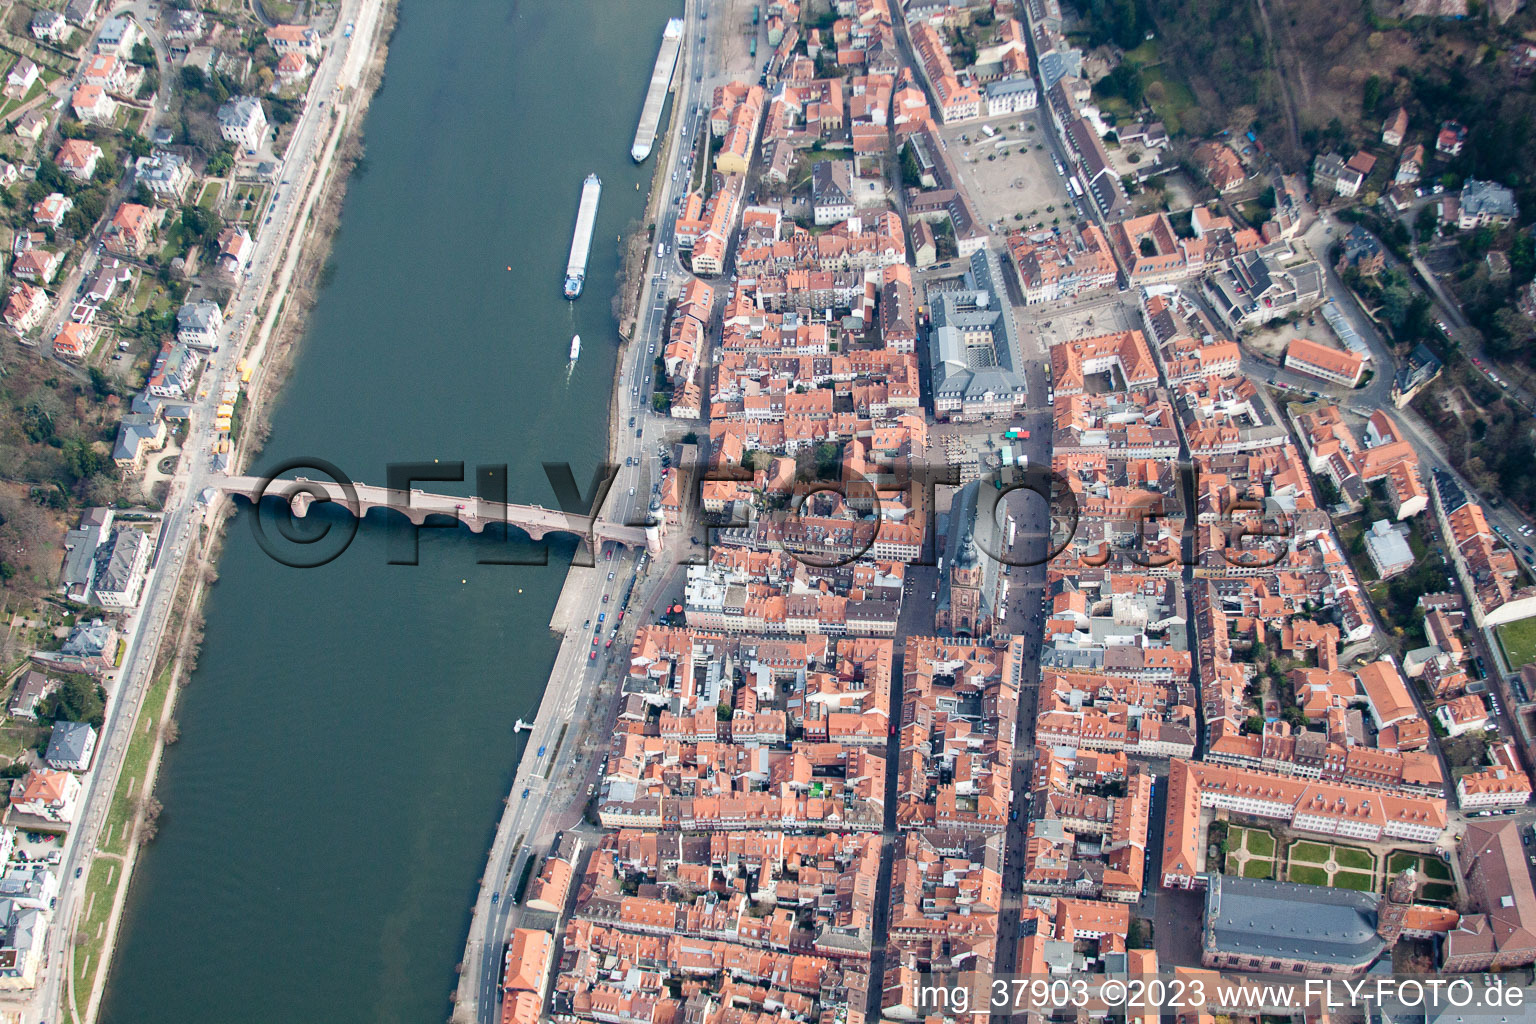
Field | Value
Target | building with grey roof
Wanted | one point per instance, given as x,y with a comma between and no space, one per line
23,933
1387,546
973,348
1059,63
32,687
1069,657
1345,330
1327,167
199,323
243,122
49,25
137,433
70,746
91,647
117,36
1254,288
165,174
82,12
123,562
1012,95
181,25
29,886
111,274
971,584
1485,202
832,191
1275,927
1421,367
82,543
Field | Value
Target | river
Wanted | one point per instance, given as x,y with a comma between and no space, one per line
346,741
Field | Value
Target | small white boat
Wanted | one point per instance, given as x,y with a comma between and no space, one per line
575,347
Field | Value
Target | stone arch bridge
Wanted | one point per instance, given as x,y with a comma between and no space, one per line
416,505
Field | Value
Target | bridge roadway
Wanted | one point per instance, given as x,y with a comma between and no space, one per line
416,505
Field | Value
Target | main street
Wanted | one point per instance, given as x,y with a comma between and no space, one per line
183,515
549,787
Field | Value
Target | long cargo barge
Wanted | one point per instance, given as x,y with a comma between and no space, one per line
581,242
656,95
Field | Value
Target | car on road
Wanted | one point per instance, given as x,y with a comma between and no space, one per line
495,897
592,655
605,599
587,624
610,575
525,794
541,750
631,421
77,872
640,431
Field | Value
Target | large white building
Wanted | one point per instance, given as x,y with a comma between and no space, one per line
198,324
1011,96
50,795
243,122
121,576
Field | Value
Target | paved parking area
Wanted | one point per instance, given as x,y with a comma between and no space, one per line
1024,181
39,848
1104,316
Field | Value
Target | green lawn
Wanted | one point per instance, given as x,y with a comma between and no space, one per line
1431,867
1115,107
1310,853
1177,97
175,242
1519,641
210,197
17,738
245,203
1258,842
135,765
33,93
1352,880
1259,869
1351,857
1308,875
1438,892
91,930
